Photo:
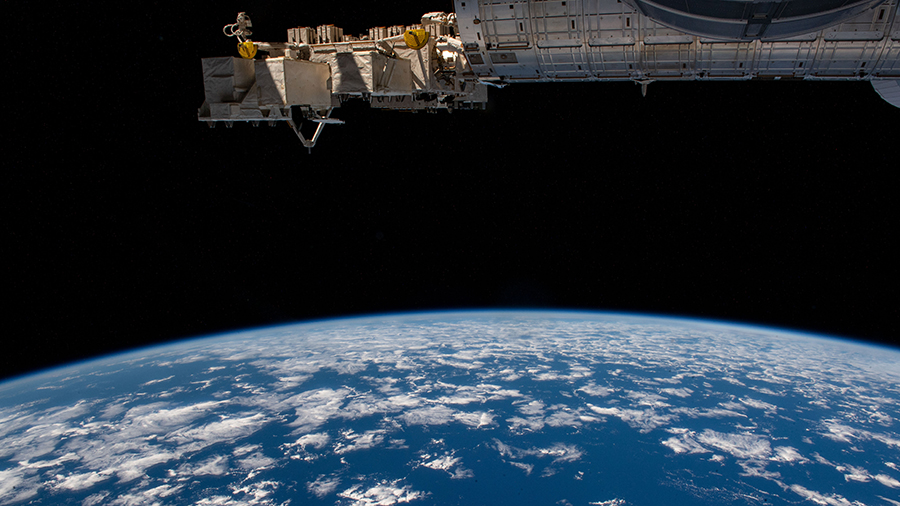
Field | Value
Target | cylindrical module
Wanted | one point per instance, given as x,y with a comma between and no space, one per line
752,19
608,40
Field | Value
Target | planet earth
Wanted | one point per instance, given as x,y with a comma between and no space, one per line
473,408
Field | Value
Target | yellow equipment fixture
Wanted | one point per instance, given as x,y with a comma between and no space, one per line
416,39
247,49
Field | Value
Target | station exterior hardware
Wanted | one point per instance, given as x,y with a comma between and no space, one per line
447,60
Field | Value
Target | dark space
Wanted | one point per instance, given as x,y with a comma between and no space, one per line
127,222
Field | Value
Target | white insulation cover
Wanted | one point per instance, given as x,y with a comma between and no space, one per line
226,79
420,63
888,90
293,82
353,72
397,77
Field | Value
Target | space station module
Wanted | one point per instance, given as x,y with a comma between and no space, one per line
446,61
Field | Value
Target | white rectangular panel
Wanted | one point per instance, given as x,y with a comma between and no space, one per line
854,35
668,39
611,41
560,43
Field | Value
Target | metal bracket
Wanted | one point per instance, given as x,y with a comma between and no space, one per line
644,84
321,120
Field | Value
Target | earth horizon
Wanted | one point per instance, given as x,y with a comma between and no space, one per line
487,407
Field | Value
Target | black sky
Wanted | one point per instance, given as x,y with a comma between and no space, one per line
127,222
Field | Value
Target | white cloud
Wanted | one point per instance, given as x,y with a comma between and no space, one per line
845,434
461,473
559,451
403,401
678,392
528,468
855,473
153,382
566,418
758,404
158,418
824,500
643,420
466,394
707,413
532,408
16,486
317,441
887,480
458,364
219,500
147,497
355,442
822,460
225,430
113,409
94,499
742,446
256,462
245,449
363,406
257,492
78,482
292,367
63,414
442,463
214,466
131,469
596,391
562,452
758,468
69,457
315,407
475,419
289,382
323,486
685,443
839,432
383,494
385,385
884,438
648,399
38,441
434,415
517,423
560,416
459,399
788,454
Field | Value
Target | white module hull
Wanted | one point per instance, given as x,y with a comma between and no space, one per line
604,40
